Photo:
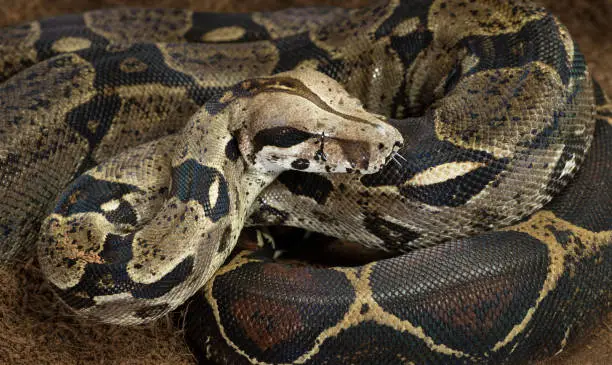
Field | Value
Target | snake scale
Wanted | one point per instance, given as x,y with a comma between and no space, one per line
135,144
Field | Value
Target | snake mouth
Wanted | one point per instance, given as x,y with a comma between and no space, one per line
339,155
365,156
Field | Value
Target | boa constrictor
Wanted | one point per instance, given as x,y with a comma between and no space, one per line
183,127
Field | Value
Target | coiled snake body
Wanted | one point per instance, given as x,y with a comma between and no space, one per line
139,142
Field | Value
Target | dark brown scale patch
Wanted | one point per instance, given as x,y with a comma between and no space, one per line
117,249
267,214
124,214
87,194
174,278
266,322
324,217
570,206
269,321
99,113
392,234
305,184
231,150
358,154
192,181
225,238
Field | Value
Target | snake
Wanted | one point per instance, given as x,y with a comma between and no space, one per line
465,137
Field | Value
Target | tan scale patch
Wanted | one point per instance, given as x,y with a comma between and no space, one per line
604,112
452,20
130,25
407,27
482,110
79,248
17,46
288,22
123,309
224,34
358,23
310,64
145,114
118,47
375,78
208,136
92,125
132,64
35,106
582,243
444,172
148,167
70,44
213,192
24,35
222,65
167,240
111,205
229,95
47,84
145,165
424,76
469,62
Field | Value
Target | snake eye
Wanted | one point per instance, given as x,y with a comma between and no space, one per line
300,164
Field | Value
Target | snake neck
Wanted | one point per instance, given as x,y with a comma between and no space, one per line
209,166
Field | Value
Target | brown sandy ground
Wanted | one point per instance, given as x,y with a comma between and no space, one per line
35,329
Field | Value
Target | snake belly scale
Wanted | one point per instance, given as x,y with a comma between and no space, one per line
135,144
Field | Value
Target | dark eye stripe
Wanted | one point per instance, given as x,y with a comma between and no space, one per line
280,137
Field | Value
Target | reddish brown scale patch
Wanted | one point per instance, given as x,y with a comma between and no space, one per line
288,274
480,311
267,322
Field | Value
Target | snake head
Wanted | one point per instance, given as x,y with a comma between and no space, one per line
304,120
